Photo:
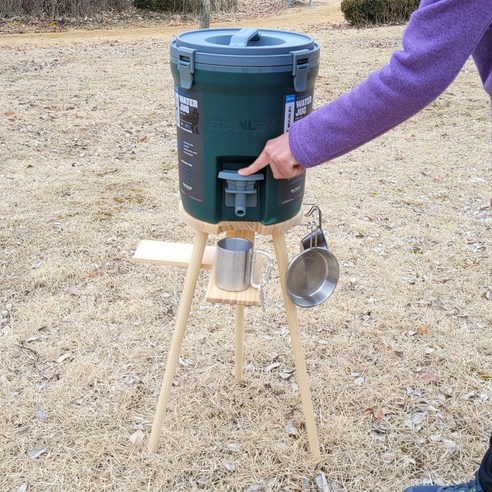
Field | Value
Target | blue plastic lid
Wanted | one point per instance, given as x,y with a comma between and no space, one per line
248,41
249,47
248,50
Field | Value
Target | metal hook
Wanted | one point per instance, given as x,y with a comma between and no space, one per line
313,209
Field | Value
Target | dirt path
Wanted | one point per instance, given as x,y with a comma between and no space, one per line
321,10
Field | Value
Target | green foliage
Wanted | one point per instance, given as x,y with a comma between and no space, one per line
377,12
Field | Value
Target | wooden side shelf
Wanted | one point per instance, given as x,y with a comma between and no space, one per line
248,297
179,254
165,253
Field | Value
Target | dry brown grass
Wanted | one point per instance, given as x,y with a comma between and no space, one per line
399,359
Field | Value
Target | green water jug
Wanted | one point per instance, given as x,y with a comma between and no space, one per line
234,90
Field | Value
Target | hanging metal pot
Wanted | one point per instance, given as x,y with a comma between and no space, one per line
312,275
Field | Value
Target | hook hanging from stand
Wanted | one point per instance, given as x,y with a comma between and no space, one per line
315,237
311,211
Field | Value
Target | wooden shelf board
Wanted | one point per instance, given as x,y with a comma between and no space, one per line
248,297
167,253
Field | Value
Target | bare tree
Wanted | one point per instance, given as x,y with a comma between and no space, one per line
205,14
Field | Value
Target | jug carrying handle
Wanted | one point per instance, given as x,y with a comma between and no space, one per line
243,37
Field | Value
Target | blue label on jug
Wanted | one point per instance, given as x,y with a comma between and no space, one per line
296,106
289,109
189,127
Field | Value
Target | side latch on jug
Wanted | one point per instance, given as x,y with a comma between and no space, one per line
186,66
241,192
300,69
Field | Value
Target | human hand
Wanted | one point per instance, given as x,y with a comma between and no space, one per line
278,156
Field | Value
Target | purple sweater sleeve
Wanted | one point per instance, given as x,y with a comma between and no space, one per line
438,40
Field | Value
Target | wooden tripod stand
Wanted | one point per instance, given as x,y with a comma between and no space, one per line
202,256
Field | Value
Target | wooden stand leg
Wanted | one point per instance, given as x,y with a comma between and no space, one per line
239,357
181,320
282,260
239,361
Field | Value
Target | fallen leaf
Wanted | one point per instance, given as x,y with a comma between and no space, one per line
37,263
49,374
183,362
36,453
128,379
426,375
483,376
451,446
477,179
93,274
272,366
376,412
411,279
41,414
234,447
286,374
388,457
416,420
74,291
137,438
322,483
255,487
64,357
290,428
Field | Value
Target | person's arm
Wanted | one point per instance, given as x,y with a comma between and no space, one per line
483,59
440,37
437,42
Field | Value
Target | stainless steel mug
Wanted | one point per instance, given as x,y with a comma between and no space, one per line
234,264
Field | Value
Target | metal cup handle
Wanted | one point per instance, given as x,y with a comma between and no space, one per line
266,276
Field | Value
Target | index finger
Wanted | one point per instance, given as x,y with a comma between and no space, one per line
257,165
